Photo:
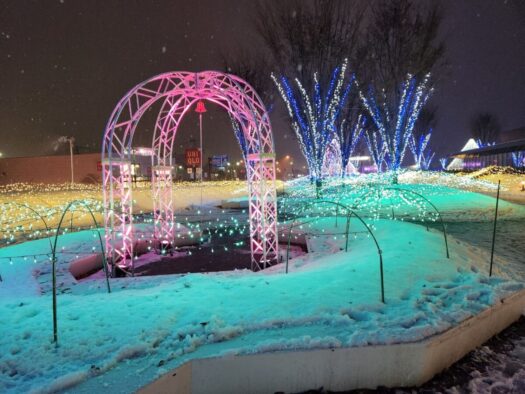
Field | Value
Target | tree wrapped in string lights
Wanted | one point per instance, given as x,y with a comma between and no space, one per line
518,159
419,148
394,117
348,131
444,163
377,148
314,114
239,135
426,159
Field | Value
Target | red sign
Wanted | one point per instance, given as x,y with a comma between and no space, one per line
193,157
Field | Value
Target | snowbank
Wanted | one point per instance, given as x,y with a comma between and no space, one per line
149,325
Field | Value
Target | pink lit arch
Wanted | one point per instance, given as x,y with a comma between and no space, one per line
178,92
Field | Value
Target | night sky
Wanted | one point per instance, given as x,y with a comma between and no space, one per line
65,64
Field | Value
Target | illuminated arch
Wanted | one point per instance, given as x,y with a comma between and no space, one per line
178,91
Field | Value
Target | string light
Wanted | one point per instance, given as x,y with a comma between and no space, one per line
419,148
314,119
389,145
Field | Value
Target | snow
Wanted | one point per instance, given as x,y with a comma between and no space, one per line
330,298
329,301
505,377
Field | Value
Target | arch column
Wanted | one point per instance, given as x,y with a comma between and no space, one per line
118,217
262,207
163,218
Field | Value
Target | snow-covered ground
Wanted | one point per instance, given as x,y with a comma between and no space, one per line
149,325
512,181
330,298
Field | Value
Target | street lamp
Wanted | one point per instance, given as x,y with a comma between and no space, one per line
71,140
235,170
290,159
200,109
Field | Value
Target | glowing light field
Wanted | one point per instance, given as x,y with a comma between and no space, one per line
329,298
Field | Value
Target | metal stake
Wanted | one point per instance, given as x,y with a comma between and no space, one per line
494,230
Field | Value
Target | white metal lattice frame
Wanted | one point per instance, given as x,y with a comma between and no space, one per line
179,90
163,217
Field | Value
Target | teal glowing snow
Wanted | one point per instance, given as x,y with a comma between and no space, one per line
331,298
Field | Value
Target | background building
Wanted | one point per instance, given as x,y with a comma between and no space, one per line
510,151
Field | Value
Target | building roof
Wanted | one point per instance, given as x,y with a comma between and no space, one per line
512,135
457,163
504,147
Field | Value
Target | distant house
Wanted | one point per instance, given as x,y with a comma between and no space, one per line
510,151
457,163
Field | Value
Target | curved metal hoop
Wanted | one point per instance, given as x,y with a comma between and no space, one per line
54,259
420,196
178,91
349,215
37,214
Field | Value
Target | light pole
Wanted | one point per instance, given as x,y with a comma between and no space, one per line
235,170
289,159
71,141
200,109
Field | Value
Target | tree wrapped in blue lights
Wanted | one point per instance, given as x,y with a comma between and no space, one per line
315,114
426,160
419,148
518,159
238,130
241,138
348,132
394,117
444,163
377,148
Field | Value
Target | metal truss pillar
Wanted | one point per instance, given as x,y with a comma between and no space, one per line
263,210
118,209
161,183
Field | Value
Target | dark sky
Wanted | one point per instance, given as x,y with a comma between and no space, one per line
64,64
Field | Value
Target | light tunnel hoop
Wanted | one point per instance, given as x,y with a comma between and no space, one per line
349,214
404,191
26,206
179,90
68,208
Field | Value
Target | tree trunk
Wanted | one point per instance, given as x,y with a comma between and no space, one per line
395,179
318,186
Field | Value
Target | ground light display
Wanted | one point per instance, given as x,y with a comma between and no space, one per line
330,265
